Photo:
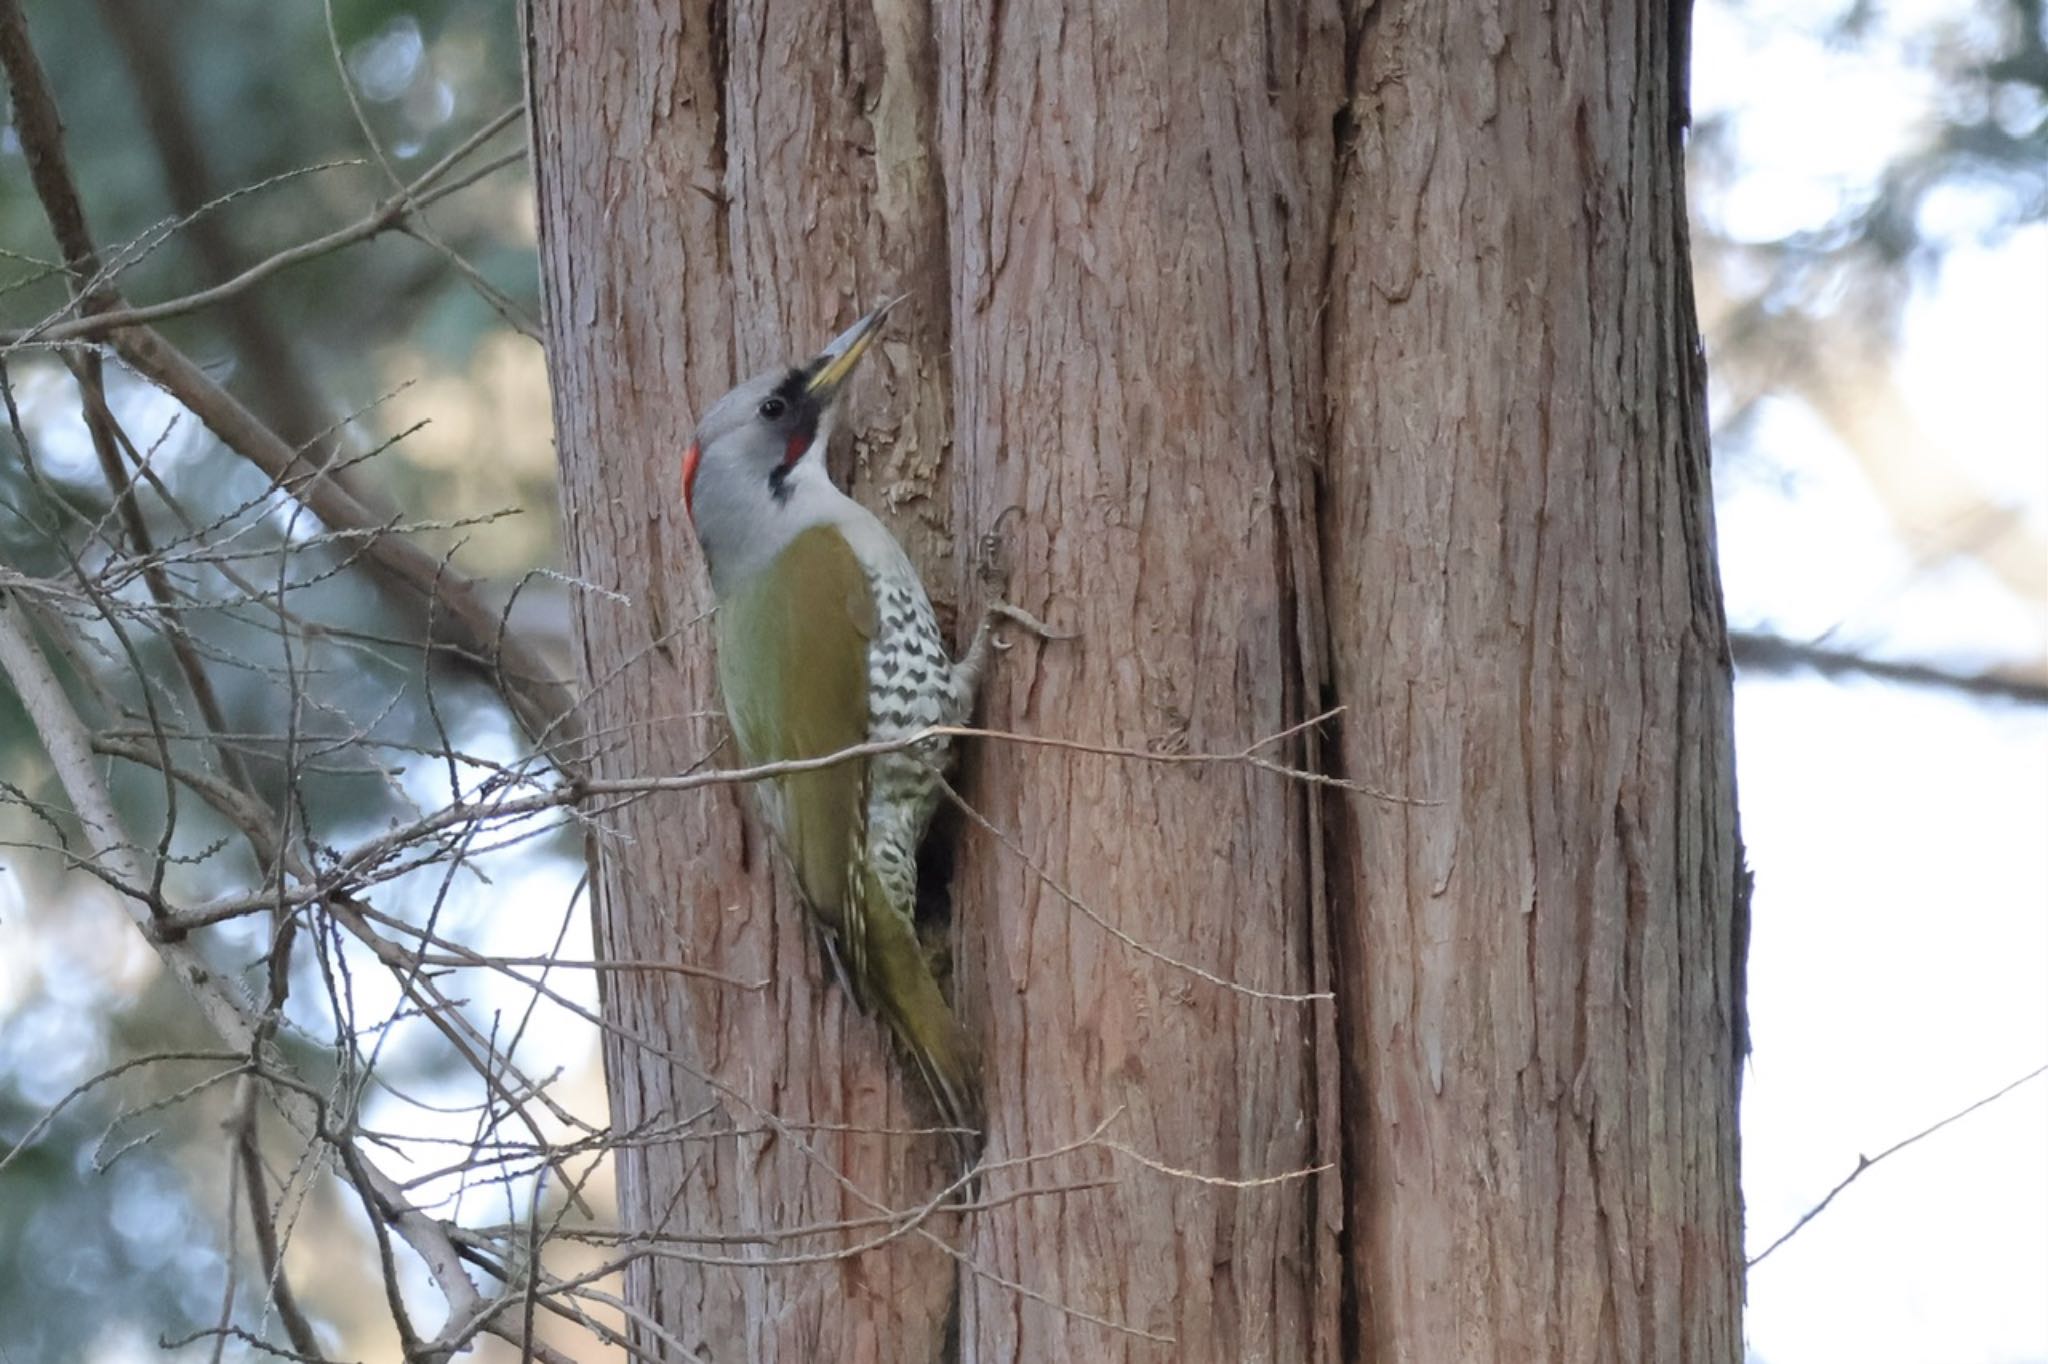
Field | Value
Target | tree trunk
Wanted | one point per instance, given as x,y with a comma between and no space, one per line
1294,357
1540,973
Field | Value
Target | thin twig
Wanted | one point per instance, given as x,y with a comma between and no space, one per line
1096,917
270,1254
420,227
389,215
468,627
1865,1162
1247,756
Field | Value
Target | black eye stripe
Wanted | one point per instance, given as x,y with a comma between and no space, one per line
790,393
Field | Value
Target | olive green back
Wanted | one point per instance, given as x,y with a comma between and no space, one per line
792,662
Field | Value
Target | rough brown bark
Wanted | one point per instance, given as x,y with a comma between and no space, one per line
1139,197
1540,973
1139,238
708,206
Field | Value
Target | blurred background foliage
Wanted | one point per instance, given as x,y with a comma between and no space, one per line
1843,156
170,107
112,1235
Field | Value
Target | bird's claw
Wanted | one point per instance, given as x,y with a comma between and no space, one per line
1018,616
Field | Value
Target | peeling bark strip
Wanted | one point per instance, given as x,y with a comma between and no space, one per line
1327,354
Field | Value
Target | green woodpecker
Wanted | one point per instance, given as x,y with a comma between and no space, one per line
826,641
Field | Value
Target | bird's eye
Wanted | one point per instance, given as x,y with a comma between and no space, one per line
772,408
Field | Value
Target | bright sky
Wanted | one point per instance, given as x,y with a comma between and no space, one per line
1899,965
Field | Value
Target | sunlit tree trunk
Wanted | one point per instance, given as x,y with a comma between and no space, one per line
1295,357
1540,973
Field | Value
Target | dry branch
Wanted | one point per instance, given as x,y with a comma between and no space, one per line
1773,654
232,1015
467,628
1864,1163
391,214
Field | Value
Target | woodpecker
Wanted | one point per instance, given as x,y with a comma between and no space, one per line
826,641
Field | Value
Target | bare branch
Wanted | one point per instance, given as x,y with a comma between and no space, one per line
389,215
41,131
1764,653
83,1087
504,306
468,629
1865,1162
543,703
1248,756
249,1165
230,1013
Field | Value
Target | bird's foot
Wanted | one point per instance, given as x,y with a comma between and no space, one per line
994,570
967,672
999,611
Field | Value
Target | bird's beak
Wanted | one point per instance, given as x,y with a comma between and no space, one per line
835,364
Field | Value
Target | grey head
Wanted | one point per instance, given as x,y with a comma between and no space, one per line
754,475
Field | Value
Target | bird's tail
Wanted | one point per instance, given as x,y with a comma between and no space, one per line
901,985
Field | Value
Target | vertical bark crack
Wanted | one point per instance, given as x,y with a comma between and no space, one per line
1330,818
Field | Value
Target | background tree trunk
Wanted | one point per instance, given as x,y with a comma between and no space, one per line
1325,355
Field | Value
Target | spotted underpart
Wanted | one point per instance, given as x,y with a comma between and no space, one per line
912,685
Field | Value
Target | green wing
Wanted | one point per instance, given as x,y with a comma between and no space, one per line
792,661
